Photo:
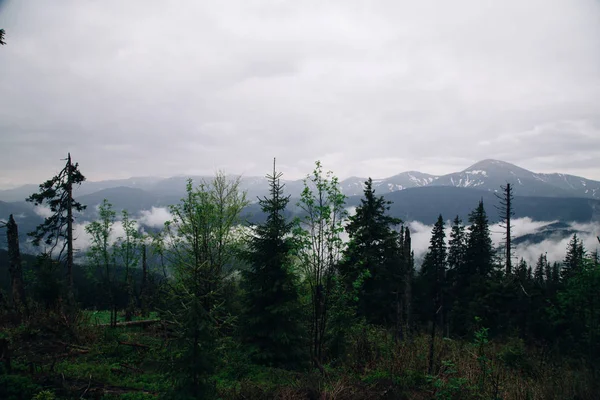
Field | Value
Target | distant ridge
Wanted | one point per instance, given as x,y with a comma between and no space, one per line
487,175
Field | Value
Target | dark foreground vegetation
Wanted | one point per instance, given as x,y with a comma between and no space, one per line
209,307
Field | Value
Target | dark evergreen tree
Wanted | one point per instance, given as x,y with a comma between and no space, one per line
272,325
408,266
479,254
574,258
432,275
2,33
57,230
456,260
541,268
372,249
472,278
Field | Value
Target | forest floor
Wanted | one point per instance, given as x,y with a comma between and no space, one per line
128,362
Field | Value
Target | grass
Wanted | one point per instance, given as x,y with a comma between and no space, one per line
373,367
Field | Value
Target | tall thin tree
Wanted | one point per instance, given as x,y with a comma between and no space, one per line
318,234
505,208
57,230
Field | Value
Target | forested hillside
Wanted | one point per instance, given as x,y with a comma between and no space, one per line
307,302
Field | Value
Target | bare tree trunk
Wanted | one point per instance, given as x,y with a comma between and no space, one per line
144,289
407,300
431,346
508,232
399,321
70,293
14,266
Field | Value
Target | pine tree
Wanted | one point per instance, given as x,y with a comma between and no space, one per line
2,33
57,230
272,325
372,249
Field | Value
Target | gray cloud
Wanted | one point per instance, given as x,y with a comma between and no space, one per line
370,88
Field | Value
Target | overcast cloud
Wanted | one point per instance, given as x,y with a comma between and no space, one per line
371,87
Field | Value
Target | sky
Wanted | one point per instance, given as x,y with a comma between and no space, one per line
369,87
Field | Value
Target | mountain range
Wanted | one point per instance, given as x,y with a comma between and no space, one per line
416,196
486,175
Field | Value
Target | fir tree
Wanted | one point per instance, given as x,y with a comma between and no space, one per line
271,318
408,269
541,268
433,274
372,249
574,258
456,260
471,279
479,254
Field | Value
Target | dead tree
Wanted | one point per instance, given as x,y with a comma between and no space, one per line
505,208
15,267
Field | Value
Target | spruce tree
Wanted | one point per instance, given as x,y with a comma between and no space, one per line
408,269
433,274
573,259
472,278
540,270
479,254
456,260
372,249
272,325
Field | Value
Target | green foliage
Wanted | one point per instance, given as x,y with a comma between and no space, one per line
44,395
55,194
319,247
17,387
199,243
447,385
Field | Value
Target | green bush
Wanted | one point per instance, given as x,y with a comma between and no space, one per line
44,395
16,387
